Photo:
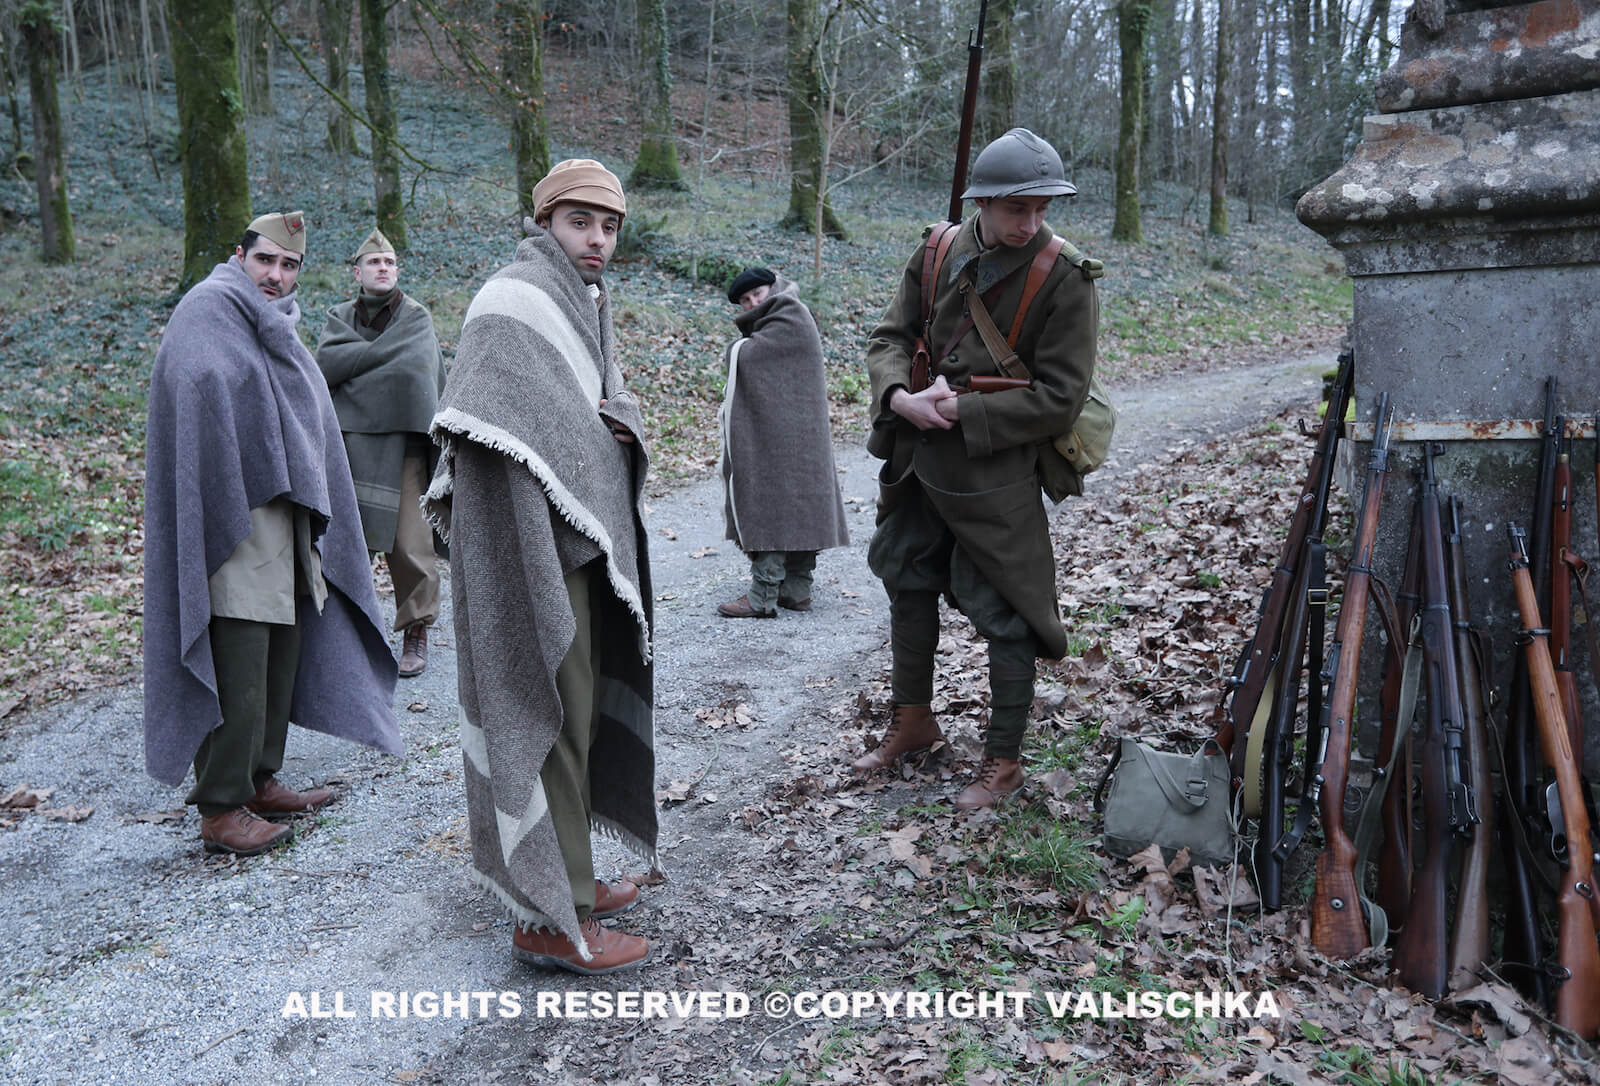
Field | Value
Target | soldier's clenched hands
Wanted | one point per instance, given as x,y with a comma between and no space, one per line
934,408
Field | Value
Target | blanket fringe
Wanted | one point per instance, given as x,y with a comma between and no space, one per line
521,914
493,437
629,841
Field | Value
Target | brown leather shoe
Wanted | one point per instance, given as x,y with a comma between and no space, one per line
613,898
911,728
794,605
242,833
273,798
997,779
740,608
609,950
414,650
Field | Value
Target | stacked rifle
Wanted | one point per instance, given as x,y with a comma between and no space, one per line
1427,827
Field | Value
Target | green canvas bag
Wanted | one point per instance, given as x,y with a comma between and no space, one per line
1167,799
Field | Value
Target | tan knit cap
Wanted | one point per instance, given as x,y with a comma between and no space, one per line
375,243
579,181
286,230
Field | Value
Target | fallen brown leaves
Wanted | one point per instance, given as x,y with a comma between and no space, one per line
36,801
1160,578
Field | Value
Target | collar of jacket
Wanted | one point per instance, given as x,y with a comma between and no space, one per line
994,264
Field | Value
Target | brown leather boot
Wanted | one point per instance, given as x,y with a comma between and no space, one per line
911,728
997,779
273,797
414,650
242,833
609,950
613,898
742,608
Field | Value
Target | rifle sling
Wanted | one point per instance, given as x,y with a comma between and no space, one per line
1579,569
1514,816
1004,349
1371,810
1383,600
1317,593
940,236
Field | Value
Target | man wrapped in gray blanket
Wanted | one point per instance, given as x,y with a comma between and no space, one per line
539,491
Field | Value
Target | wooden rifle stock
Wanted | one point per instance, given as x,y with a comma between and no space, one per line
1338,930
1469,945
1523,945
1578,997
1249,683
1420,952
1394,858
1561,594
969,109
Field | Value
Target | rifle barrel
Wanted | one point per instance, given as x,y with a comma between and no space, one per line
969,109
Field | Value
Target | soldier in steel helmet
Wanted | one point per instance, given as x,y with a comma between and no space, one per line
959,508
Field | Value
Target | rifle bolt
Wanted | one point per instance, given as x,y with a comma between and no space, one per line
1336,904
1585,889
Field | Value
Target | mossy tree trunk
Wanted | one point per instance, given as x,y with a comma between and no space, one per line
333,18
806,102
1133,21
216,166
385,125
39,29
657,164
1219,121
522,60
999,73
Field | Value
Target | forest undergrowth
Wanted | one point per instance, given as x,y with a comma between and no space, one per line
77,341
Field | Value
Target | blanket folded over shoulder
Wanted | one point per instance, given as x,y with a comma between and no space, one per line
239,415
780,489
531,485
383,389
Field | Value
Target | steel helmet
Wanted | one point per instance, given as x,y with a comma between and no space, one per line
1018,163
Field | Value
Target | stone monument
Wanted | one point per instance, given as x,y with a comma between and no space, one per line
1469,219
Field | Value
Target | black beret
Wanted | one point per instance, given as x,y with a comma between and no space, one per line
749,280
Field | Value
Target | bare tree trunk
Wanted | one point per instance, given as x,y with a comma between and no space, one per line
700,142
1248,160
255,59
1302,142
216,168
333,20
39,28
11,93
523,64
113,72
1219,121
1133,21
999,73
385,126
804,91
657,164
1162,66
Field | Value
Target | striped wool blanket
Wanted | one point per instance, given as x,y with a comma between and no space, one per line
531,485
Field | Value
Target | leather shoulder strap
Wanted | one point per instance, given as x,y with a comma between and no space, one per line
1043,261
940,235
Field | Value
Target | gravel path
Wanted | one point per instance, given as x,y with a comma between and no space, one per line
130,956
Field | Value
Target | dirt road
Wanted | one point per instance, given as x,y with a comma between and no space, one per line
130,956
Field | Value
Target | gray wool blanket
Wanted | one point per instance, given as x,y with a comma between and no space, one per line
383,388
780,489
531,484
239,415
